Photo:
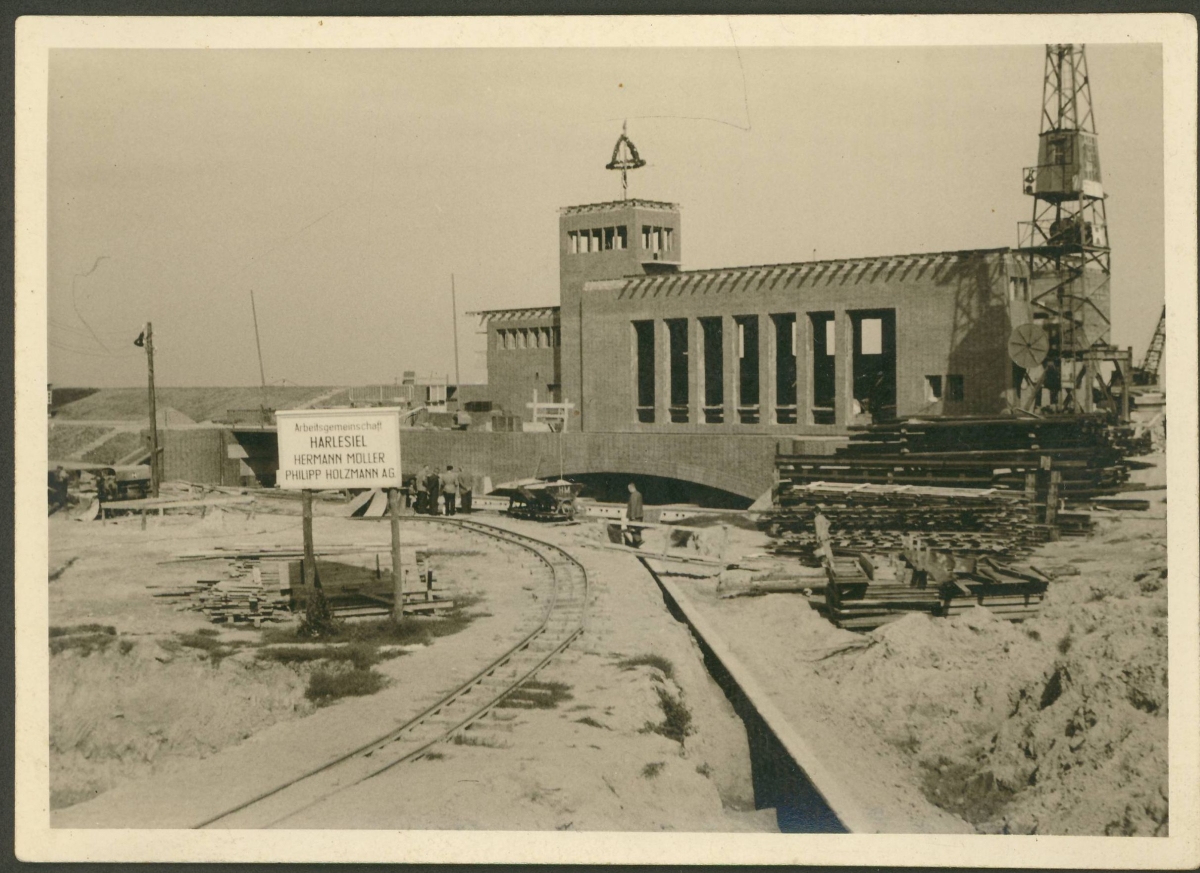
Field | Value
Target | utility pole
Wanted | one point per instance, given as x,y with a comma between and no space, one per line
454,321
262,374
154,468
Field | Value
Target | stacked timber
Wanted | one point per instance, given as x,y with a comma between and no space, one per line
870,518
866,592
977,452
250,592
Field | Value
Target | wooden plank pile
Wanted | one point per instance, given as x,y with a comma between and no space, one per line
1009,591
248,591
864,593
873,518
868,591
977,452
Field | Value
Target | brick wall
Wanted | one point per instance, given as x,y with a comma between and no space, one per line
514,373
951,318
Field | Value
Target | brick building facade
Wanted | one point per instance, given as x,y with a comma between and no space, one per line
640,346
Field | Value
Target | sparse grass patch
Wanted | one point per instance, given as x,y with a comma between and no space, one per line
360,655
208,632
658,662
433,756
677,718
327,686
412,630
704,770
85,644
83,629
216,649
1064,644
591,722
1033,634
481,742
651,770
535,694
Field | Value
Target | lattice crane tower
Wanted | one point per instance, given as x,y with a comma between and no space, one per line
1066,242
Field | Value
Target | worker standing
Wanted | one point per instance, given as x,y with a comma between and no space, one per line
634,512
433,485
449,488
422,504
466,483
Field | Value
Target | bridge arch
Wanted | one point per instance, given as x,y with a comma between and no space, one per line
738,465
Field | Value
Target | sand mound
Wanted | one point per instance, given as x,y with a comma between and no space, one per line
1057,725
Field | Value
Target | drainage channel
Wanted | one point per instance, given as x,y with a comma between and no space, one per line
784,772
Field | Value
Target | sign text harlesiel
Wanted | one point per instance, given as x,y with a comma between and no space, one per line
338,448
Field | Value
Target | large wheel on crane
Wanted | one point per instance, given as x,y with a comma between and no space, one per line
1028,345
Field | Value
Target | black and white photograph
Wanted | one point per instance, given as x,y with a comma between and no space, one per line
662,440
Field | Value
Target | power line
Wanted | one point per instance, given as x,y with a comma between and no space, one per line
90,353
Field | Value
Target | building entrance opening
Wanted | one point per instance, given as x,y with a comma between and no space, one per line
714,371
822,367
874,362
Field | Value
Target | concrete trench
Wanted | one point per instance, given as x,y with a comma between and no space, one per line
779,780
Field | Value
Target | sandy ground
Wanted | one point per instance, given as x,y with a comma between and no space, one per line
142,736
1057,725
1053,726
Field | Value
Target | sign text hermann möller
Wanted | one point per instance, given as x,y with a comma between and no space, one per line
338,448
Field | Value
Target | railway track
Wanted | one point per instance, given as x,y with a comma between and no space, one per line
561,623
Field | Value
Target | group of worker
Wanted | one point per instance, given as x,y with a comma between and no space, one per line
452,484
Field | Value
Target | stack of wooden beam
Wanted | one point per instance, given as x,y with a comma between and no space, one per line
866,592
976,452
249,592
874,518
1009,591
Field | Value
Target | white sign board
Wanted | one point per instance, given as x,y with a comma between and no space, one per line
338,448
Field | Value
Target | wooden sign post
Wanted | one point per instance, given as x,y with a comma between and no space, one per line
341,449
397,570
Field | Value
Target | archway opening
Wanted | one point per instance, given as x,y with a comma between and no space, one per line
656,490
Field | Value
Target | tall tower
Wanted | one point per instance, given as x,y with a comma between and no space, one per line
627,237
1066,242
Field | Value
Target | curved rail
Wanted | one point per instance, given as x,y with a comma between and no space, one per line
561,623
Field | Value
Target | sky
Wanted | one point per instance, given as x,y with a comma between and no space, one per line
343,188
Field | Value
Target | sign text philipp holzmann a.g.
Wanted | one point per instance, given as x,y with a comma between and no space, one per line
338,448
